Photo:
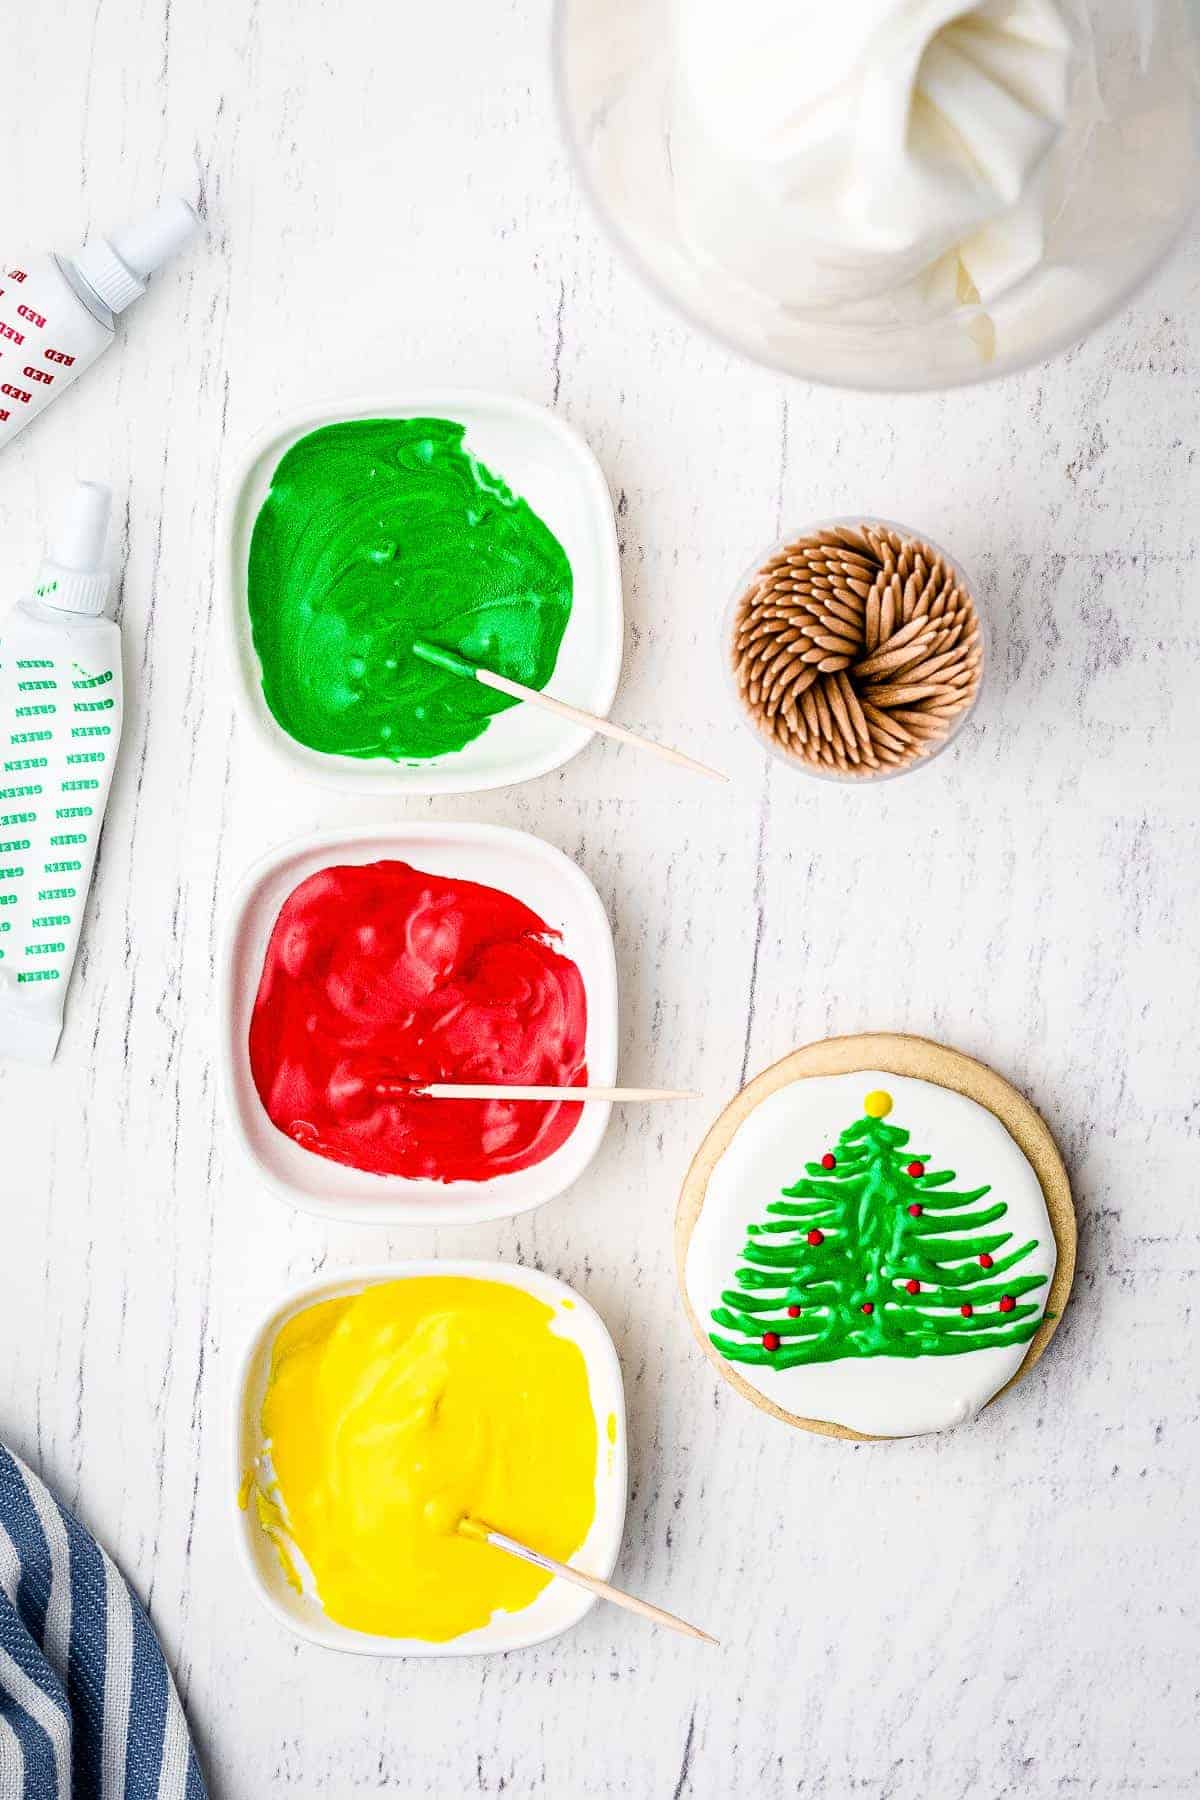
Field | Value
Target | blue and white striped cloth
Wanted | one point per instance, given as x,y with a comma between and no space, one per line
88,1710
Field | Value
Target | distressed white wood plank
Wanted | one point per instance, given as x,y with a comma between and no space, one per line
1010,1609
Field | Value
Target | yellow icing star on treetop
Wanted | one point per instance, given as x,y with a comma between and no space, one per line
877,1104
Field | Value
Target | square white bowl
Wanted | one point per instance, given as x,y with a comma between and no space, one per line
522,865
558,1606
548,464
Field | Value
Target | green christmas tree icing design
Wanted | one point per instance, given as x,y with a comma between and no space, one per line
872,1253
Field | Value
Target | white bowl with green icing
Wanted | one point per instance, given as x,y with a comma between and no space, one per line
524,491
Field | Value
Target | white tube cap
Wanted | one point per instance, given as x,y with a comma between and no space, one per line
119,267
74,577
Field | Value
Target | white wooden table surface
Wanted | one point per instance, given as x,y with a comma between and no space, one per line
1007,1610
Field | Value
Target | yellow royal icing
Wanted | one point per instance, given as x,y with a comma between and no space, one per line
392,1414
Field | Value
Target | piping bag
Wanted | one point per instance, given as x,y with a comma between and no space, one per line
60,725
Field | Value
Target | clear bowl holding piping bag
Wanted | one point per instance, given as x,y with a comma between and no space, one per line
728,621
1115,191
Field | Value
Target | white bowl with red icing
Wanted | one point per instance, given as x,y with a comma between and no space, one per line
466,1161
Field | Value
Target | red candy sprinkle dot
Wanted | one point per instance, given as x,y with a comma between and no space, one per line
915,1211
793,1312
816,1237
770,1340
914,1169
868,1306
914,1287
966,1310
985,1261
1007,1303
829,1160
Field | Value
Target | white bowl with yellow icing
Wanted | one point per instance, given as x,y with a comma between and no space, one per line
377,1407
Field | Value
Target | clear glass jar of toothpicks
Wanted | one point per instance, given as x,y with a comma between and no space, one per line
855,649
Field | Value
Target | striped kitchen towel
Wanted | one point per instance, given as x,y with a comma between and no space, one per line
88,1710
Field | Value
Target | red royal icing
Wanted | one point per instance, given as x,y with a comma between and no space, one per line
1007,1303
815,1238
770,1340
793,1312
829,1160
383,973
915,1169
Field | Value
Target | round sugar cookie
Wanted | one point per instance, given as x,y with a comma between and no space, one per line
875,1238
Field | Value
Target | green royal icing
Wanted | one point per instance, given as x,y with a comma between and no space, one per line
871,1247
379,531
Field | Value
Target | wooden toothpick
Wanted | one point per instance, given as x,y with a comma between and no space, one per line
487,1534
499,1090
459,665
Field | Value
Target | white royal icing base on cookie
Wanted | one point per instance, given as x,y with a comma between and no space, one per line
883,1396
